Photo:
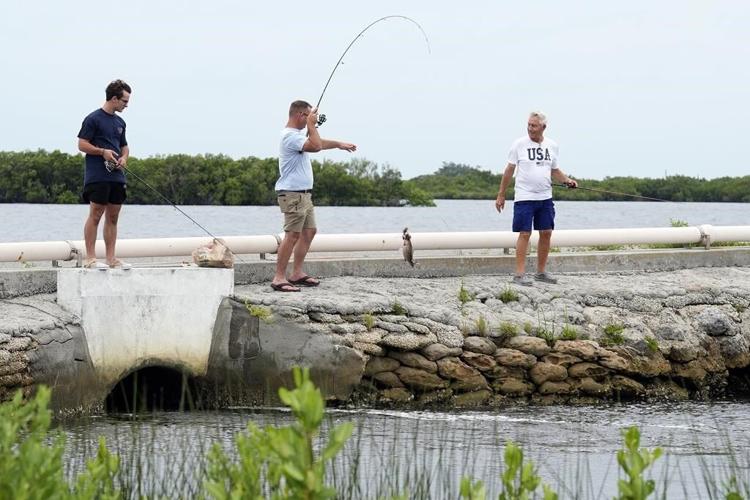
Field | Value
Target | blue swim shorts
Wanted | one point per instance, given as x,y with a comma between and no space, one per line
540,212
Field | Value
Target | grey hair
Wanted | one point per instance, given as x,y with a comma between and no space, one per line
539,116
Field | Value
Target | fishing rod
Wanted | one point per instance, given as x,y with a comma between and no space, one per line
322,117
110,166
611,192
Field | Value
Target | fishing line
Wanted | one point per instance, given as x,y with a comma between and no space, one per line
612,192
322,118
140,179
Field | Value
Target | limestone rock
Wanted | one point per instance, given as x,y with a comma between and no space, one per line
368,348
450,337
388,379
587,370
550,387
481,362
501,371
715,322
347,328
416,327
590,386
557,358
543,372
378,364
322,317
371,337
470,384
692,370
513,386
420,379
12,367
682,352
414,360
4,337
17,344
407,341
584,349
481,345
734,350
514,357
612,360
433,352
391,327
454,368
530,345
627,386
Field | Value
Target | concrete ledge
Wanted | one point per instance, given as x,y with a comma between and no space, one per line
24,282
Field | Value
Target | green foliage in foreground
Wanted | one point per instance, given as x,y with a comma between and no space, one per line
274,462
56,177
460,181
31,465
285,457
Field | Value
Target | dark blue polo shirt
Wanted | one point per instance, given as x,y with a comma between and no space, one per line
103,131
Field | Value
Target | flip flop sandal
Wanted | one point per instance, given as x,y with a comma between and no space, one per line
284,287
305,281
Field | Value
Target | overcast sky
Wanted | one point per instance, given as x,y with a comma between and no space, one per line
640,88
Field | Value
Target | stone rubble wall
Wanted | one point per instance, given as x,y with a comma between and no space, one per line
634,339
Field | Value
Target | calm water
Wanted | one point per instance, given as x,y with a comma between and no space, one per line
573,446
21,222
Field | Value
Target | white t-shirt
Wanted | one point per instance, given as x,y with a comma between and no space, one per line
295,167
534,163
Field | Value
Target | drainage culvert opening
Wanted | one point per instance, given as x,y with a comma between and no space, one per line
154,388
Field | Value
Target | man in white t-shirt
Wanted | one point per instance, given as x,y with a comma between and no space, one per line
294,193
535,159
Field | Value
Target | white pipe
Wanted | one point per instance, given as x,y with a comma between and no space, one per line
171,247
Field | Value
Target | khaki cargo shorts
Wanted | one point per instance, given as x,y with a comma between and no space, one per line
298,210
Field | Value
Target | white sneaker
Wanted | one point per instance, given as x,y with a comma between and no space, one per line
545,277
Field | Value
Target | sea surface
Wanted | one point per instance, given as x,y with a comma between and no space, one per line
29,222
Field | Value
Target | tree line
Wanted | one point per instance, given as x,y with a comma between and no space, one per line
56,177
460,181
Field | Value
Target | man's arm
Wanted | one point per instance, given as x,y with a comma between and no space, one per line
559,176
313,144
504,183
84,146
346,146
124,154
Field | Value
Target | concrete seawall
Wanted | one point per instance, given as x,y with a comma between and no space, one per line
627,324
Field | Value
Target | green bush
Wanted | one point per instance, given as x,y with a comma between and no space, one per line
31,464
633,462
508,295
464,295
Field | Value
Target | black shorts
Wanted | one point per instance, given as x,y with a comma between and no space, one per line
104,193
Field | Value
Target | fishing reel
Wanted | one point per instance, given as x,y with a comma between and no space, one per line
321,120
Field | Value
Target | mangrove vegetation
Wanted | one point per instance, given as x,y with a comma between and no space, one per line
56,177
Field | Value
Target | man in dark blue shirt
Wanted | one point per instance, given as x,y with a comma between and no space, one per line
102,138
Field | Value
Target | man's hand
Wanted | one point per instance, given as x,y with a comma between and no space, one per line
571,183
312,118
500,203
109,155
347,146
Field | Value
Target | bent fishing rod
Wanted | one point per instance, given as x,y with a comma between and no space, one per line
110,167
611,192
322,117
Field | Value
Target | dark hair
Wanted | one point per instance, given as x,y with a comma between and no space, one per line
297,106
116,88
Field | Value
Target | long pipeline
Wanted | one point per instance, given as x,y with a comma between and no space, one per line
268,244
